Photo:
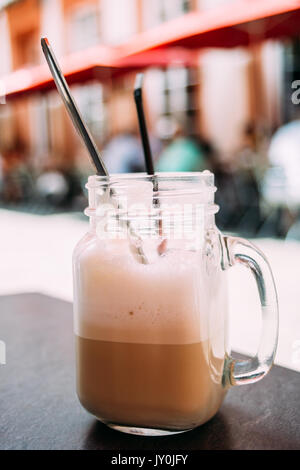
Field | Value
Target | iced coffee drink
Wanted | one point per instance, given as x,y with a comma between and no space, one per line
151,337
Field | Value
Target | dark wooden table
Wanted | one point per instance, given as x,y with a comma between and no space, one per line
39,408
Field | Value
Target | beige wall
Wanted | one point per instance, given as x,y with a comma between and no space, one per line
224,101
119,20
272,80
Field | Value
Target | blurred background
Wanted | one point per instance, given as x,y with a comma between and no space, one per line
220,93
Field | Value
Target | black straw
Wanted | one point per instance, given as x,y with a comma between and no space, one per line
138,97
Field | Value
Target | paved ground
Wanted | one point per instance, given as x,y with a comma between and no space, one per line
35,256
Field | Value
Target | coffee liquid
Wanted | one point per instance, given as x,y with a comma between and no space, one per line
149,385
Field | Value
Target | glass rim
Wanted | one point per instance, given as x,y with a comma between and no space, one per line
167,188
205,176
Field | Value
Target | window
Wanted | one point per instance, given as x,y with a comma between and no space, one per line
210,4
84,28
91,105
172,8
39,130
158,11
173,94
26,49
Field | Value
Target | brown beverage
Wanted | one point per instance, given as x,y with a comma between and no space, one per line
152,385
152,338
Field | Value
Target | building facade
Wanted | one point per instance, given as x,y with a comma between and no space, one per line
228,90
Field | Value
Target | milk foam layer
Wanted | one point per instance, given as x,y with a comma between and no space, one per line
171,301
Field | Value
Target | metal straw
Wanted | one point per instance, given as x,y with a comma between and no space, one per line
72,109
84,133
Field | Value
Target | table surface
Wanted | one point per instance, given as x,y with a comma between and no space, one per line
39,408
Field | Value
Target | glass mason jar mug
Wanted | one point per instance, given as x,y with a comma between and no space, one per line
150,304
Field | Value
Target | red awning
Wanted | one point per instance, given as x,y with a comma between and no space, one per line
77,67
174,56
101,63
236,23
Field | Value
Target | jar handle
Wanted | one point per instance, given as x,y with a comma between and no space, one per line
240,372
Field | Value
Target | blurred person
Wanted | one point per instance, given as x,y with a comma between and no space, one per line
52,187
184,153
281,183
226,196
248,171
76,196
123,153
237,180
17,185
252,154
284,158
